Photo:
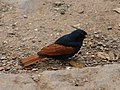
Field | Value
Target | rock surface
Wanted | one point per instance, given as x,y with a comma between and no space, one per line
90,78
96,78
16,82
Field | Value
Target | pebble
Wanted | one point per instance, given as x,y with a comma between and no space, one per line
96,35
13,58
102,48
92,56
68,68
87,53
35,78
54,68
100,44
4,64
29,23
1,68
56,9
51,35
35,69
58,3
11,32
58,34
111,55
13,25
76,64
81,11
5,42
76,25
119,24
1,24
3,58
7,68
36,29
117,10
109,27
62,11
103,55
96,32
25,16
33,41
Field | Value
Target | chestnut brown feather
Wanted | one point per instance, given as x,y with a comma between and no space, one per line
56,50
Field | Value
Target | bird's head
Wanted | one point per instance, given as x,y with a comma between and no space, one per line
78,35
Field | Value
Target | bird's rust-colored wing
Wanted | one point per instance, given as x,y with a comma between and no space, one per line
56,50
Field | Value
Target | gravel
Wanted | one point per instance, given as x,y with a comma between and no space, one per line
24,32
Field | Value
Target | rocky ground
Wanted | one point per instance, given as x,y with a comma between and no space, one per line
90,78
26,26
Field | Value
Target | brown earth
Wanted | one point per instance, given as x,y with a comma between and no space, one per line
28,25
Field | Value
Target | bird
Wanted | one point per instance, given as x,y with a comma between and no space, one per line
63,48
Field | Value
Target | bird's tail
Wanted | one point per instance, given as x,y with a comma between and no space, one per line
30,60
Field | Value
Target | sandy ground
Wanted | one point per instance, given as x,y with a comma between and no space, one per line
28,25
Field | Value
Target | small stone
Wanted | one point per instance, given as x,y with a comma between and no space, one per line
92,56
57,9
68,68
11,33
39,41
96,32
117,10
117,56
100,44
35,69
35,78
76,25
62,11
119,24
4,64
112,55
33,41
5,42
58,34
25,16
22,71
3,53
58,4
87,53
54,68
1,68
7,68
3,58
51,35
109,27
24,39
13,25
13,58
36,29
80,12
103,55
76,64
96,35
29,23
101,47
1,24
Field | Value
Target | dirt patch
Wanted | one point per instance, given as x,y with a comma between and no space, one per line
28,26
